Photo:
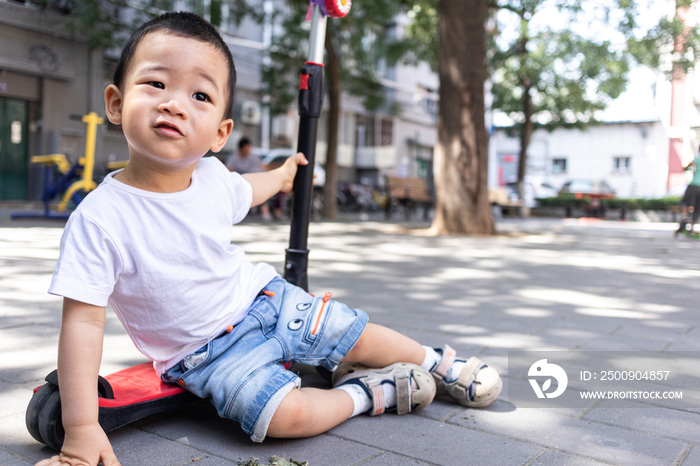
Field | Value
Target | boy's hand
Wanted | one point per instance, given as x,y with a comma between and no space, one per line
84,445
289,168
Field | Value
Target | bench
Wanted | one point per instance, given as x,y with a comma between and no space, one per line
499,199
407,192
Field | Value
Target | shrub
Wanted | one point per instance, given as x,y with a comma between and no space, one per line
570,200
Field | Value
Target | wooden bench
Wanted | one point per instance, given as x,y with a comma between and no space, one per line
408,192
499,199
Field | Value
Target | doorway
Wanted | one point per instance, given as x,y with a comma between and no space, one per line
13,149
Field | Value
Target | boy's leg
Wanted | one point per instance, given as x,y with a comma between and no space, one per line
380,346
310,411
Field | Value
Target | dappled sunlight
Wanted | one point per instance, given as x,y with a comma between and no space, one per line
423,295
458,303
574,298
507,340
598,306
613,313
463,329
529,312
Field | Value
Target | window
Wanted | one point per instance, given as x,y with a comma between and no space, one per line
558,165
622,164
371,131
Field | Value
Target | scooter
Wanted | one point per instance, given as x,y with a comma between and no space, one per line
137,392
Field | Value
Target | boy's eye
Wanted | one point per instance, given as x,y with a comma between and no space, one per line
201,96
157,84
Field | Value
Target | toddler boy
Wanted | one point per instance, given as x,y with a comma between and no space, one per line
154,242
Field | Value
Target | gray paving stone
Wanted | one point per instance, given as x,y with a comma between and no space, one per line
434,442
693,457
225,439
15,439
667,423
391,459
7,458
554,457
15,399
551,284
574,436
136,447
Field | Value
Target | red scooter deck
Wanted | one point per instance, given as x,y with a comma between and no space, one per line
137,384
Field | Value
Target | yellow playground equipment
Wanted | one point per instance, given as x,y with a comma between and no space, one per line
76,179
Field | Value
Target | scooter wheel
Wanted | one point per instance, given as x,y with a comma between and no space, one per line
50,423
35,407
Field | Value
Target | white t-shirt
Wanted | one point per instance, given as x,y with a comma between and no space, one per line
164,262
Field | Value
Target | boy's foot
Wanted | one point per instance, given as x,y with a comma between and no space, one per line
476,385
403,386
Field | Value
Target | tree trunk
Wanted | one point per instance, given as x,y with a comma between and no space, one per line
330,205
525,136
461,154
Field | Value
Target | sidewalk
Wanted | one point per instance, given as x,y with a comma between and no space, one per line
542,285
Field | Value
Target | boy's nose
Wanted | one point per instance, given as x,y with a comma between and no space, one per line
172,106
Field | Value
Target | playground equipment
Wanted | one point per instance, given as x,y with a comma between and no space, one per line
74,180
136,392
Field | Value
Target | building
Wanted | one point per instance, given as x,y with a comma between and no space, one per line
630,149
50,78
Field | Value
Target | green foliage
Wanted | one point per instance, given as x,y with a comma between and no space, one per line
274,461
364,41
103,23
569,77
617,203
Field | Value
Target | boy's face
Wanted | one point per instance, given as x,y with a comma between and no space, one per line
172,102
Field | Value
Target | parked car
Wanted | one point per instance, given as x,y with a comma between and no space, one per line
534,189
586,189
595,192
276,157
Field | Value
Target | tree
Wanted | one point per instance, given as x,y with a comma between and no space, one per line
461,154
460,163
550,77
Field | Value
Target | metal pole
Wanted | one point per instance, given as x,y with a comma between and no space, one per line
310,103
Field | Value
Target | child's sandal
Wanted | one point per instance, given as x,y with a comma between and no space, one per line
477,386
408,397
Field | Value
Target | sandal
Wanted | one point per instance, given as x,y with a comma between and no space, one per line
477,386
415,387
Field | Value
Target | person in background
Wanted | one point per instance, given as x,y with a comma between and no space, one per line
690,203
244,161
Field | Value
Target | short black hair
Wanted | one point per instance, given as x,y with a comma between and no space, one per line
242,142
182,24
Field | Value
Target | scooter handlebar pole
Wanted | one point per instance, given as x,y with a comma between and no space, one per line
310,104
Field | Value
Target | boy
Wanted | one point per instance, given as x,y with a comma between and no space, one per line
154,241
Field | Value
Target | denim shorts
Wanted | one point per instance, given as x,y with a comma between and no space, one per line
241,371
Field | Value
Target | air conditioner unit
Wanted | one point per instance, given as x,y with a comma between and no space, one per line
251,113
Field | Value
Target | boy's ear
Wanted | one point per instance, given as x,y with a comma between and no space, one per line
222,134
113,104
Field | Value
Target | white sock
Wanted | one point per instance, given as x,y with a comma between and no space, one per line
389,395
432,359
454,371
360,399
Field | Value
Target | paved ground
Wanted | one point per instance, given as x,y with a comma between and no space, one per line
544,285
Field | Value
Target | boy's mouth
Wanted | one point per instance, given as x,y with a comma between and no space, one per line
168,127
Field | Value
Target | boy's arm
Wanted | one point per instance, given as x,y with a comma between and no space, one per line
267,184
79,356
